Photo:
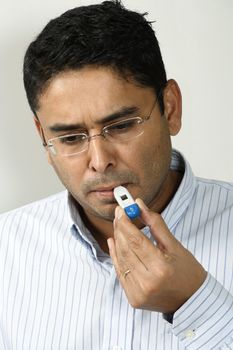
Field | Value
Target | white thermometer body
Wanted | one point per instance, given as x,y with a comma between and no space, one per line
126,201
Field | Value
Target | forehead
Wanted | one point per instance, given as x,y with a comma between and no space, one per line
91,94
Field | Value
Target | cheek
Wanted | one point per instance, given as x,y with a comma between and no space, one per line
68,170
154,159
147,151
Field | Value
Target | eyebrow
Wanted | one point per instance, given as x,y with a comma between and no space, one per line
123,112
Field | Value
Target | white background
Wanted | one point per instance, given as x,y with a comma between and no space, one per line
196,39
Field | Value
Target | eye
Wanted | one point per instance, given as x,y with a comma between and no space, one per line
73,139
123,126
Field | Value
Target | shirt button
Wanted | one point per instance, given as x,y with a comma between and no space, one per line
116,347
189,334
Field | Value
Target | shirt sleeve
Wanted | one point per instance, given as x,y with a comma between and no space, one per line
205,321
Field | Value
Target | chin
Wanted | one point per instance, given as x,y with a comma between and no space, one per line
103,213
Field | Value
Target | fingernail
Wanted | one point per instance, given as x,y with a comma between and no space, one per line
141,204
118,212
109,242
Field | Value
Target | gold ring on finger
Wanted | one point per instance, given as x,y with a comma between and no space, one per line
126,273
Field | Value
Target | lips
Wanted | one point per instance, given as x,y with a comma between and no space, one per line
105,193
107,188
103,189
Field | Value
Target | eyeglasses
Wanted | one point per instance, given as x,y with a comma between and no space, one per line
118,132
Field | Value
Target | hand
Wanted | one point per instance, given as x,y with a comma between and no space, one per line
162,277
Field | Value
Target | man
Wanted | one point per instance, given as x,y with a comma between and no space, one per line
75,272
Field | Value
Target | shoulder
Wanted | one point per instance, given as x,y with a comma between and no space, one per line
33,210
217,193
216,186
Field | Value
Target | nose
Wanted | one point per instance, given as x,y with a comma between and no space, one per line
101,154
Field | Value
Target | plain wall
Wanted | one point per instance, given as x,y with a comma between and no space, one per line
196,39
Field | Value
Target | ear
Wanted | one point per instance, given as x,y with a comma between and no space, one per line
172,106
40,131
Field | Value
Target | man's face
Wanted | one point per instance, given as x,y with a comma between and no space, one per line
85,98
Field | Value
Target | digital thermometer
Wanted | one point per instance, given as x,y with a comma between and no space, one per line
125,200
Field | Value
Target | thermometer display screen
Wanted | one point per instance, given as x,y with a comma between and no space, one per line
124,197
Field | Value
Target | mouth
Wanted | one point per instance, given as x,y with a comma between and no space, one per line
107,191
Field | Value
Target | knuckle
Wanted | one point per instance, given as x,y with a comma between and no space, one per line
154,218
135,241
123,253
121,223
149,288
118,273
136,303
165,273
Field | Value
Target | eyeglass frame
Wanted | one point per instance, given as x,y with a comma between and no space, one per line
88,137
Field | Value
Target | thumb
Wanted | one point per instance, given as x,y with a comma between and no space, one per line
158,227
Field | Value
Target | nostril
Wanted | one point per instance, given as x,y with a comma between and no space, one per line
101,155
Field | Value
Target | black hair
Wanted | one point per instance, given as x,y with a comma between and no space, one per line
105,34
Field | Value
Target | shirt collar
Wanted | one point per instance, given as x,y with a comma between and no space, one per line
81,232
183,196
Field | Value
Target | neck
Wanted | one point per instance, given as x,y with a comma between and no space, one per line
100,229
166,191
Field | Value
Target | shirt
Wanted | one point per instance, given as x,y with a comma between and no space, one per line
59,290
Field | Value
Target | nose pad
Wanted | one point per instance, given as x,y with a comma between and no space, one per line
52,150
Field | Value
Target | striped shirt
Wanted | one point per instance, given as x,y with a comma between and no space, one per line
59,290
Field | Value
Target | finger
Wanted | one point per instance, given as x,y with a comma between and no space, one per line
124,274
158,227
132,245
127,235
127,279
112,252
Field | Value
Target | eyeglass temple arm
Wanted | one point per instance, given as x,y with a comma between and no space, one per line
43,137
41,130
